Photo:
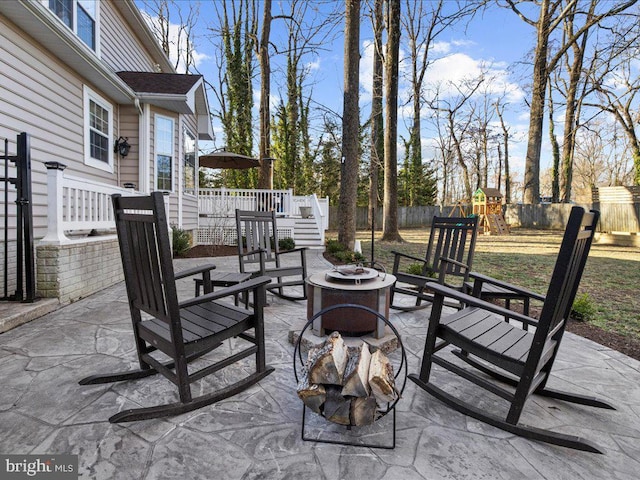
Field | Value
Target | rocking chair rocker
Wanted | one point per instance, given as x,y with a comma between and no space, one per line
178,332
508,352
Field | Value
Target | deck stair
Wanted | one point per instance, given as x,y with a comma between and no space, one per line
306,233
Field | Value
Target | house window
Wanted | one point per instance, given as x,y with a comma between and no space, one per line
80,16
164,152
98,131
189,159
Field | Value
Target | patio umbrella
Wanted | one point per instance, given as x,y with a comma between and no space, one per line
228,160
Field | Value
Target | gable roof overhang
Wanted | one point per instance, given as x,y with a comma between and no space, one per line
39,22
180,93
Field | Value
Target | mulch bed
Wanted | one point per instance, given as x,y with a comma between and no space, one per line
615,341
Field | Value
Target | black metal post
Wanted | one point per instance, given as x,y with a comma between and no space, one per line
25,199
25,265
373,233
6,218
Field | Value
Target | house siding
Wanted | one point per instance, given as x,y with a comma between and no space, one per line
119,45
189,202
44,96
40,95
129,128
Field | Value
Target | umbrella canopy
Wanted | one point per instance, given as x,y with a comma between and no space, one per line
228,160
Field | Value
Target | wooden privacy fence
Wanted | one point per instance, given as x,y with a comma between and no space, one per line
614,217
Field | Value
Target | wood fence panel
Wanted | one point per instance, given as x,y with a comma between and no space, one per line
615,217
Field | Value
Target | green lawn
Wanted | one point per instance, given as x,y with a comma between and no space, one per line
526,258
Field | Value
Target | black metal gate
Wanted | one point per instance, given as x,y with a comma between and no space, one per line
25,278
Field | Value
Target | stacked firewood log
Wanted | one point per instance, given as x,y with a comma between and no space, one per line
347,385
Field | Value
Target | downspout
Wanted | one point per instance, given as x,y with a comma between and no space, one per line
180,168
144,127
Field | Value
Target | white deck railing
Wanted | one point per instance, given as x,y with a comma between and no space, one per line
223,202
77,204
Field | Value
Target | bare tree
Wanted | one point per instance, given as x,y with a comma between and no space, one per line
377,124
617,85
551,15
573,100
390,230
264,175
423,23
177,38
505,145
453,110
601,159
350,126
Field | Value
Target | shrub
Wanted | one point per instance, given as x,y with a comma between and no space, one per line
416,269
287,243
181,241
348,256
583,308
333,247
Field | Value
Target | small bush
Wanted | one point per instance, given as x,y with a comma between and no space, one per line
287,243
333,247
181,241
583,308
416,269
348,256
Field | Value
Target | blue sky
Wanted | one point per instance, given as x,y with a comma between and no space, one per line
496,40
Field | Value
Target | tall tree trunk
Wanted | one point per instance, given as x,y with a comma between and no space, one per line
572,112
534,142
377,124
505,139
264,175
350,126
555,153
390,221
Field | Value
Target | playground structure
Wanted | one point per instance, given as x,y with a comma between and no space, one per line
487,204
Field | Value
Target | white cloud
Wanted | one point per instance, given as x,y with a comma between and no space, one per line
176,44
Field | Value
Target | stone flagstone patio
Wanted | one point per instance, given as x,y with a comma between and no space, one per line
256,434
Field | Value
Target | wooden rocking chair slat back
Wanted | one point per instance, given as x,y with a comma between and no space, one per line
496,341
178,332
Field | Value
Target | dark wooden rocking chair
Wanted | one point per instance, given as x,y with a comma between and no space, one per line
506,351
178,332
259,253
449,255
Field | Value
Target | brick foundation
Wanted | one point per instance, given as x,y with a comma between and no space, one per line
73,271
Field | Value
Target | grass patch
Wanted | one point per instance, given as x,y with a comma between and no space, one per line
526,257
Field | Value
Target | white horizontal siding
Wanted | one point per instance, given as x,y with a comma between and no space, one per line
43,97
119,45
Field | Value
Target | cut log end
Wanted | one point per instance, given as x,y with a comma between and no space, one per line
348,386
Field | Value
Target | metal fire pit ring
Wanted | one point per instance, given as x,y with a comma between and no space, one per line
401,371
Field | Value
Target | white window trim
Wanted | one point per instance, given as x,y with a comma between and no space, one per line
155,152
186,128
90,95
74,27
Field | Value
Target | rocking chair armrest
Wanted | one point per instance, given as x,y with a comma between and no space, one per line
406,255
478,277
454,262
443,267
253,252
194,271
293,250
469,300
250,284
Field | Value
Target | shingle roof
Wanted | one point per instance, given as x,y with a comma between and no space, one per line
168,83
491,192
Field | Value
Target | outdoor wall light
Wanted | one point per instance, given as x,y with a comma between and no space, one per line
122,146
